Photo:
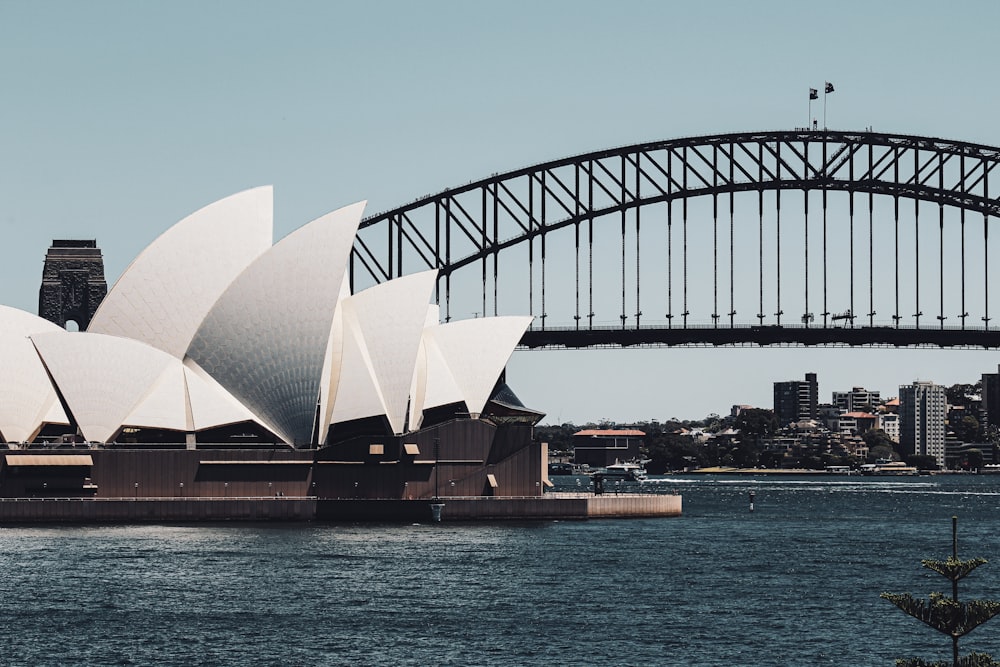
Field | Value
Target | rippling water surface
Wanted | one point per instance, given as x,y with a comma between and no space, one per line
794,583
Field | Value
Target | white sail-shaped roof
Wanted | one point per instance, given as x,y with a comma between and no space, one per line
163,296
165,404
332,366
103,379
266,338
110,382
390,318
475,352
27,399
358,394
418,386
211,405
441,387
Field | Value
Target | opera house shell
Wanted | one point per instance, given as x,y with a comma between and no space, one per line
212,326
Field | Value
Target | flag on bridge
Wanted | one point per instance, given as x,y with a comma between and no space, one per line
814,94
829,87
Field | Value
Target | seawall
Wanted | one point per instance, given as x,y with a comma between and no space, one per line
290,509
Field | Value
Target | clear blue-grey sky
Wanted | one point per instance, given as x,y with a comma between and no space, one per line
117,119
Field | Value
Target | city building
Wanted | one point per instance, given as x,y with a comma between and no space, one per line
856,423
602,447
796,400
889,423
922,410
858,399
991,399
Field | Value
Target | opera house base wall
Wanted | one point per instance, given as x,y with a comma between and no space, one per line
154,510
284,509
548,507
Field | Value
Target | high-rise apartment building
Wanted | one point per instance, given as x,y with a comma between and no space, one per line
991,399
796,400
922,410
858,399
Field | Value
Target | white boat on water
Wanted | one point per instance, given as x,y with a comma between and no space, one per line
631,472
888,468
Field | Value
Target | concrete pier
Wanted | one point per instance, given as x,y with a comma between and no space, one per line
466,508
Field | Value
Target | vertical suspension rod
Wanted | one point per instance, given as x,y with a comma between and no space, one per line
941,316
850,169
483,221
871,245
895,198
777,234
638,212
961,223
531,245
670,260
624,220
447,259
826,309
760,228
715,237
807,315
541,225
437,252
590,245
496,249
986,249
389,228
576,239
684,213
732,252
916,240
670,241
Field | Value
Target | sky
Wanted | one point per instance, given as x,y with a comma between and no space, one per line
118,119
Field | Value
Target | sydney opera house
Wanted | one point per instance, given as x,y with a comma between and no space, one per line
222,364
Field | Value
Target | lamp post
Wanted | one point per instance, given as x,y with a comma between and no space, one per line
136,492
182,489
225,489
437,464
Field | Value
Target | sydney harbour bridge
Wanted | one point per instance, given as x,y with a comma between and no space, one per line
804,237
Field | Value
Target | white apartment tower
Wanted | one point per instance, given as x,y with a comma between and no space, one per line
922,410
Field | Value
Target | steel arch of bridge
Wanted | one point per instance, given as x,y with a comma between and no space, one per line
474,224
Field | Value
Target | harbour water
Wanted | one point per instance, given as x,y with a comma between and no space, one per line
796,582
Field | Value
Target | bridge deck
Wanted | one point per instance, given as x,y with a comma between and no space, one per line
760,336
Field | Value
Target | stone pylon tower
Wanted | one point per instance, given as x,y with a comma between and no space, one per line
73,283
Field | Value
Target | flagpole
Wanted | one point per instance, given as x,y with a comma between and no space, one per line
827,89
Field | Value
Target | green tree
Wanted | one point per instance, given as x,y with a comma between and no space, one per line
755,423
961,394
966,429
672,451
972,459
923,461
876,437
947,615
